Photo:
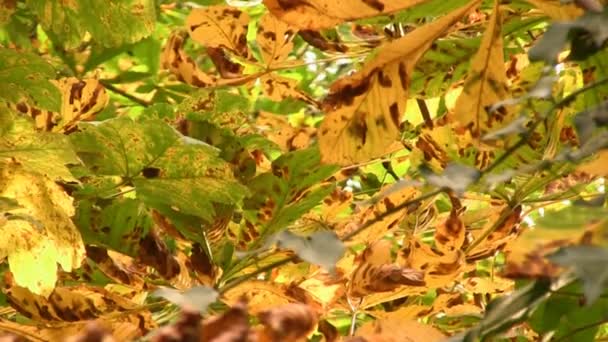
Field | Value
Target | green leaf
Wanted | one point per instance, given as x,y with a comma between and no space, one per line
119,226
589,264
165,167
198,298
24,77
323,248
42,153
110,23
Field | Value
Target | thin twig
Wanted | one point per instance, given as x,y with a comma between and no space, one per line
426,114
124,94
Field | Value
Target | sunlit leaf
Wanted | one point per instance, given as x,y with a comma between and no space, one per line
364,111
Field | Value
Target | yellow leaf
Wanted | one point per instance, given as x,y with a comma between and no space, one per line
279,88
80,100
397,330
43,235
596,166
274,37
319,14
220,27
260,295
175,59
363,111
557,9
485,85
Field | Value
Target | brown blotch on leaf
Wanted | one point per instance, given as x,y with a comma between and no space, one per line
375,4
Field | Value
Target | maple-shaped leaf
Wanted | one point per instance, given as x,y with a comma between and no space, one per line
485,85
53,240
165,167
364,111
111,24
320,14
220,27
25,78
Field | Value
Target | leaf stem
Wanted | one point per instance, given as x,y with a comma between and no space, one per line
124,94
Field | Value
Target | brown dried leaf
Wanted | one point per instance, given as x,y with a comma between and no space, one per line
363,111
319,14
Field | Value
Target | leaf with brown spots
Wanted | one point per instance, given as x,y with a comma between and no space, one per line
440,269
279,88
175,59
395,329
320,14
485,85
449,235
364,111
44,236
377,273
275,39
222,27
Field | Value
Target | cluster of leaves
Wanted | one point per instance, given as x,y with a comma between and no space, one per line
292,170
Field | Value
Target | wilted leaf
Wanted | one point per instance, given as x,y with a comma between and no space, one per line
320,14
26,246
322,248
197,298
363,111
25,78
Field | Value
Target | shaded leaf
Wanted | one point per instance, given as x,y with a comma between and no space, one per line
25,78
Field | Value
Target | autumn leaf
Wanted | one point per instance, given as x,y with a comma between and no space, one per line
486,84
274,38
220,27
377,273
176,60
320,14
49,241
557,10
291,322
363,111
393,330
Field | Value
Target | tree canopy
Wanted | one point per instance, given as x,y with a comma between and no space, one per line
303,170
